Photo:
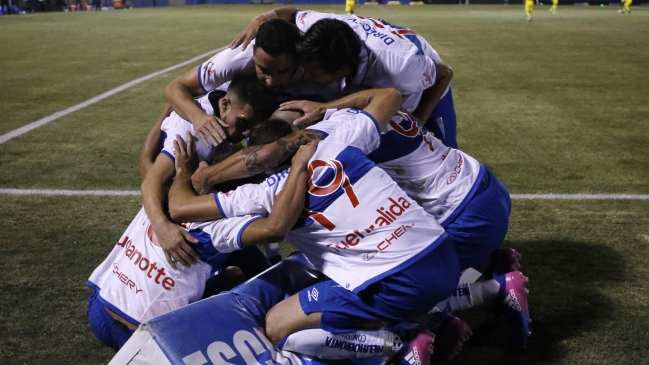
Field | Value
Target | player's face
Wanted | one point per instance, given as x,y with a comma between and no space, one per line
314,73
275,72
236,119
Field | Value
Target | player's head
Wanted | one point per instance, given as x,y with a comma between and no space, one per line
329,50
269,131
246,103
274,53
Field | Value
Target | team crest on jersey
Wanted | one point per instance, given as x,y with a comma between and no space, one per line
428,80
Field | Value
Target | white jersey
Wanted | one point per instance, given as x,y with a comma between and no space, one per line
223,66
175,125
392,56
135,280
358,225
437,177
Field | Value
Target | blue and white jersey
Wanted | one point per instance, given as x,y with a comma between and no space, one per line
358,226
437,177
392,56
174,125
136,281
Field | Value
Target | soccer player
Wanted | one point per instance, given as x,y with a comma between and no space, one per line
465,198
272,58
553,8
135,284
388,260
529,6
349,6
626,6
355,51
245,104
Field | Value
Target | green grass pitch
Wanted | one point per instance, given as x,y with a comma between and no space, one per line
558,105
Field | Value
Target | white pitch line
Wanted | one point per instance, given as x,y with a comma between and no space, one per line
514,196
71,192
41,122
580,196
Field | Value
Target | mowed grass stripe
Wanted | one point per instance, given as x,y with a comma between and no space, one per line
29,127
513,196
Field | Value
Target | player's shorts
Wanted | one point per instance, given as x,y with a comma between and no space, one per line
481,225
403,295
109,331
443,122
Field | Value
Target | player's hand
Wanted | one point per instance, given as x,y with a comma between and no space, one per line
247,34
199,179
313,111
186,156
209,130
304,154
174,241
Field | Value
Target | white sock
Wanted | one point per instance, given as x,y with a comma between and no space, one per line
334,346
471,295
272,249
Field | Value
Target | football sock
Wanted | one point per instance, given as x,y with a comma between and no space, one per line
471,295
334,346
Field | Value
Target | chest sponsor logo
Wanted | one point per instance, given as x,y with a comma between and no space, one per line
150,268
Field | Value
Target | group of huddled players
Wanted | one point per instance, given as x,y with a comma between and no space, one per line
352,157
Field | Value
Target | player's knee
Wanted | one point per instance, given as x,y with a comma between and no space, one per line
274,329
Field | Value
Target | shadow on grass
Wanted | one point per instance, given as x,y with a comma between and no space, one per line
566,279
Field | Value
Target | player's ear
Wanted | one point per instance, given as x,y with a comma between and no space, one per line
225,103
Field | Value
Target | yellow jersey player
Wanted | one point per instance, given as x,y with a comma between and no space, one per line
626,6
553,8
349,6
529,6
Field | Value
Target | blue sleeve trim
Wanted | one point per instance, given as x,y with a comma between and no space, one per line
200,81
169,155
243,228
376,124
218,205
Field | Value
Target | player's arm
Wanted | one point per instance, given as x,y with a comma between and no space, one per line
248,34
173,238
252,160
287,207
184,204
431,96
152,144
180,94
372,98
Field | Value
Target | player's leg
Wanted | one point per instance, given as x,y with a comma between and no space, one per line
529,5
293,330
349,6
403,295
110,332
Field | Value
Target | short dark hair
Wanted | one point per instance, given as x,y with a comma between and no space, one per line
277,37
332,44
248,90
268,132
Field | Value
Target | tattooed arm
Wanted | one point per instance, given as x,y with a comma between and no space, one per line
252,160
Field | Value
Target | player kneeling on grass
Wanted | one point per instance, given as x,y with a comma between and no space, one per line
135,282
388,260
463,196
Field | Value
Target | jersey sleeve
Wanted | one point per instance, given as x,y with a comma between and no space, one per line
172,126
225,234
304,19
244,200
352,127
411,76
222,67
